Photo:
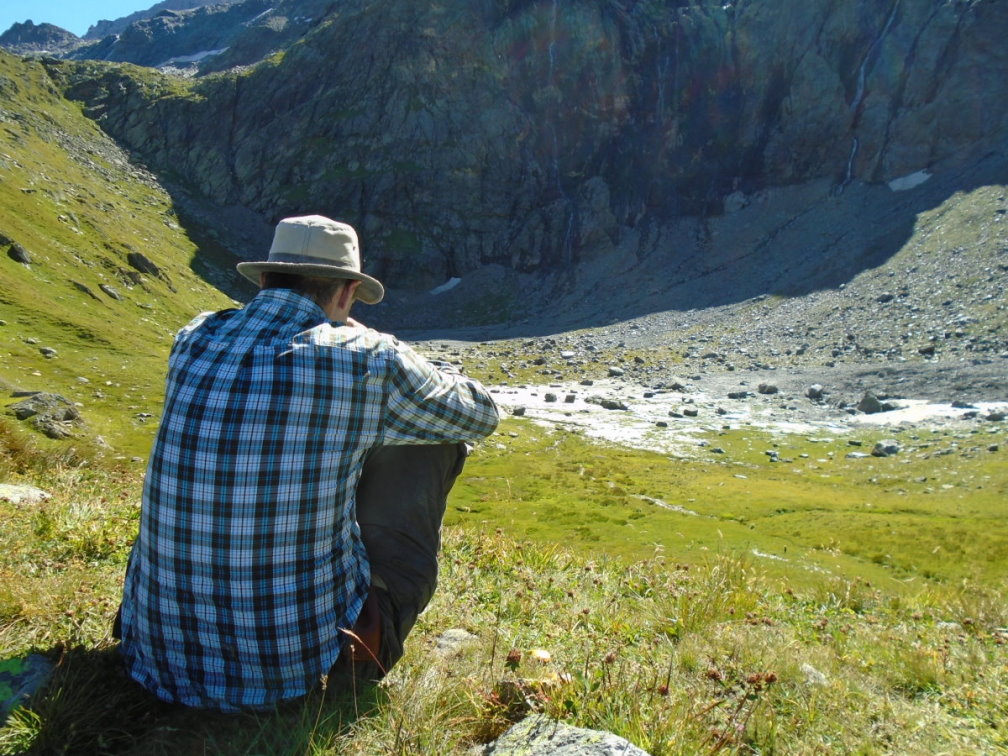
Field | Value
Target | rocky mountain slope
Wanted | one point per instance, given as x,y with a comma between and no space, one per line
555,139
789,182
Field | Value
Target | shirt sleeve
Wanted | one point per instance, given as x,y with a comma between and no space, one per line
431,405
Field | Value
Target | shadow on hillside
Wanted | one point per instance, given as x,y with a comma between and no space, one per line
91,706
788,241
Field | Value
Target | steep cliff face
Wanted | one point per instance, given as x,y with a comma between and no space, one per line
547,136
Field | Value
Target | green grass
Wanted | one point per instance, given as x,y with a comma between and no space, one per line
664,628
922,515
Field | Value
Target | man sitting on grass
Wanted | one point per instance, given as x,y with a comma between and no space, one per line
294,494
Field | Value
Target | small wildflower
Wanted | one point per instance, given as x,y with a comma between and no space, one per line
513,659
541,655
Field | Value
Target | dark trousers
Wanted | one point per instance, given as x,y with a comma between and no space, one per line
400,504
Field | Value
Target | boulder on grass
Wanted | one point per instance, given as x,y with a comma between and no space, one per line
540,734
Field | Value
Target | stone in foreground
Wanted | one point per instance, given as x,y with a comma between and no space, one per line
540,734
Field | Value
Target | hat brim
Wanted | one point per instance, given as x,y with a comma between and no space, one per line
369,292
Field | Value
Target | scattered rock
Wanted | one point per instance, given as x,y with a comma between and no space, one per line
856,455
871,404
19,254
518,412
540,734
550,397
48,352
452,641
767,388
615,372
815,392
143,264
813,676
735,201
16,494
886,448
111,291
613,404
85,289
996,417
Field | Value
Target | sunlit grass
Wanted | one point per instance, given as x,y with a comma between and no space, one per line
704,649
918,516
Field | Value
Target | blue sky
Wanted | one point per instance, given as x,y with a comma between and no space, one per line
72,15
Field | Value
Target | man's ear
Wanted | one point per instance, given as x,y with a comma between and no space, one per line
347,294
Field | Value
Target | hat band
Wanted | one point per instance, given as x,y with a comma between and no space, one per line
282,257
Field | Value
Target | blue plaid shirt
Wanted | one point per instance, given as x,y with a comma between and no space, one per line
249,558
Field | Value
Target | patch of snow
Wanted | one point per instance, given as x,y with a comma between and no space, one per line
909,182
264,13
448,285
194,58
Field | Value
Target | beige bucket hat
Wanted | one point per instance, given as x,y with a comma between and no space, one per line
313,245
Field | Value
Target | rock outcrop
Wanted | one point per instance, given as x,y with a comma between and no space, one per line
51,414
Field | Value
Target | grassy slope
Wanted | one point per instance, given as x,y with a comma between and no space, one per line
70,197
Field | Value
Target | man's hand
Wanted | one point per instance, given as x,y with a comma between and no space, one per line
353,323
